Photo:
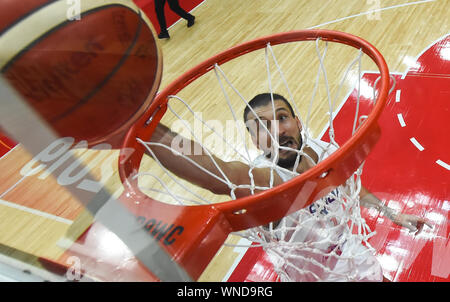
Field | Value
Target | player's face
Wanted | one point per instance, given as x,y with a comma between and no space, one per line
285,129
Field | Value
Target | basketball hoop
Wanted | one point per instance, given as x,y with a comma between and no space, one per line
197,232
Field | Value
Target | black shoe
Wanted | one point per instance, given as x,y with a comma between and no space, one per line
191,21
164,35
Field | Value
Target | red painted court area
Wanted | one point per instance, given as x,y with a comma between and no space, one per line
408,170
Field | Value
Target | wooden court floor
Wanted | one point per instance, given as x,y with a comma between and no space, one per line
413,36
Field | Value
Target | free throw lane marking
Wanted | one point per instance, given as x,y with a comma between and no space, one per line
401,120
416,143
443,164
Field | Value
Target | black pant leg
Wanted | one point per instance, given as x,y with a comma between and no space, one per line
175,6
159,9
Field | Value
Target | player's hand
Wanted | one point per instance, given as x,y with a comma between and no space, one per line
411,222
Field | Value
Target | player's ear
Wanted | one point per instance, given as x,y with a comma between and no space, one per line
299,124
255,140
252,131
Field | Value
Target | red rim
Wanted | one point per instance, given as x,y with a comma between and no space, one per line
291,195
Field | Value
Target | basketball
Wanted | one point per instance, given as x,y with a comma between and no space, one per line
286,142
88,68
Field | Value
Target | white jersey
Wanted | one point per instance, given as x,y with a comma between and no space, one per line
309,245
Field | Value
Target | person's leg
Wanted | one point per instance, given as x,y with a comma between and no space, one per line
159,9
175,6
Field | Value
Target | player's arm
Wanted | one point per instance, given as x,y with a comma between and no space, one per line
413,223
215,169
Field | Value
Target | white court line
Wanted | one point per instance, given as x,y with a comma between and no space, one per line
4,155
13,186
240,250
401,120
35,212
13,270
443,164
424,51
191,11
397,96
371,12
417,144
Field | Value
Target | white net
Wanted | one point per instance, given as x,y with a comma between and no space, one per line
326,241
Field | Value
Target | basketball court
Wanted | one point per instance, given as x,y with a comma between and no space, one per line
46,231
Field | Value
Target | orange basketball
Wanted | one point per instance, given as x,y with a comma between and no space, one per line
89,77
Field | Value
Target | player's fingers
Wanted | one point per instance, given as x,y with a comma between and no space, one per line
429,224
411,225
419,227
421,223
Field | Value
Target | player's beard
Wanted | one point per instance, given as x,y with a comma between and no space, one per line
288,160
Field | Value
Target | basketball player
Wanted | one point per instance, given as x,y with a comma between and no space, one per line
289,164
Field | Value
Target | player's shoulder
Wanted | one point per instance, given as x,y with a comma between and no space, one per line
321,148
311,153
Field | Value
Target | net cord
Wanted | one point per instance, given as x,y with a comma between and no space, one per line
266,237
